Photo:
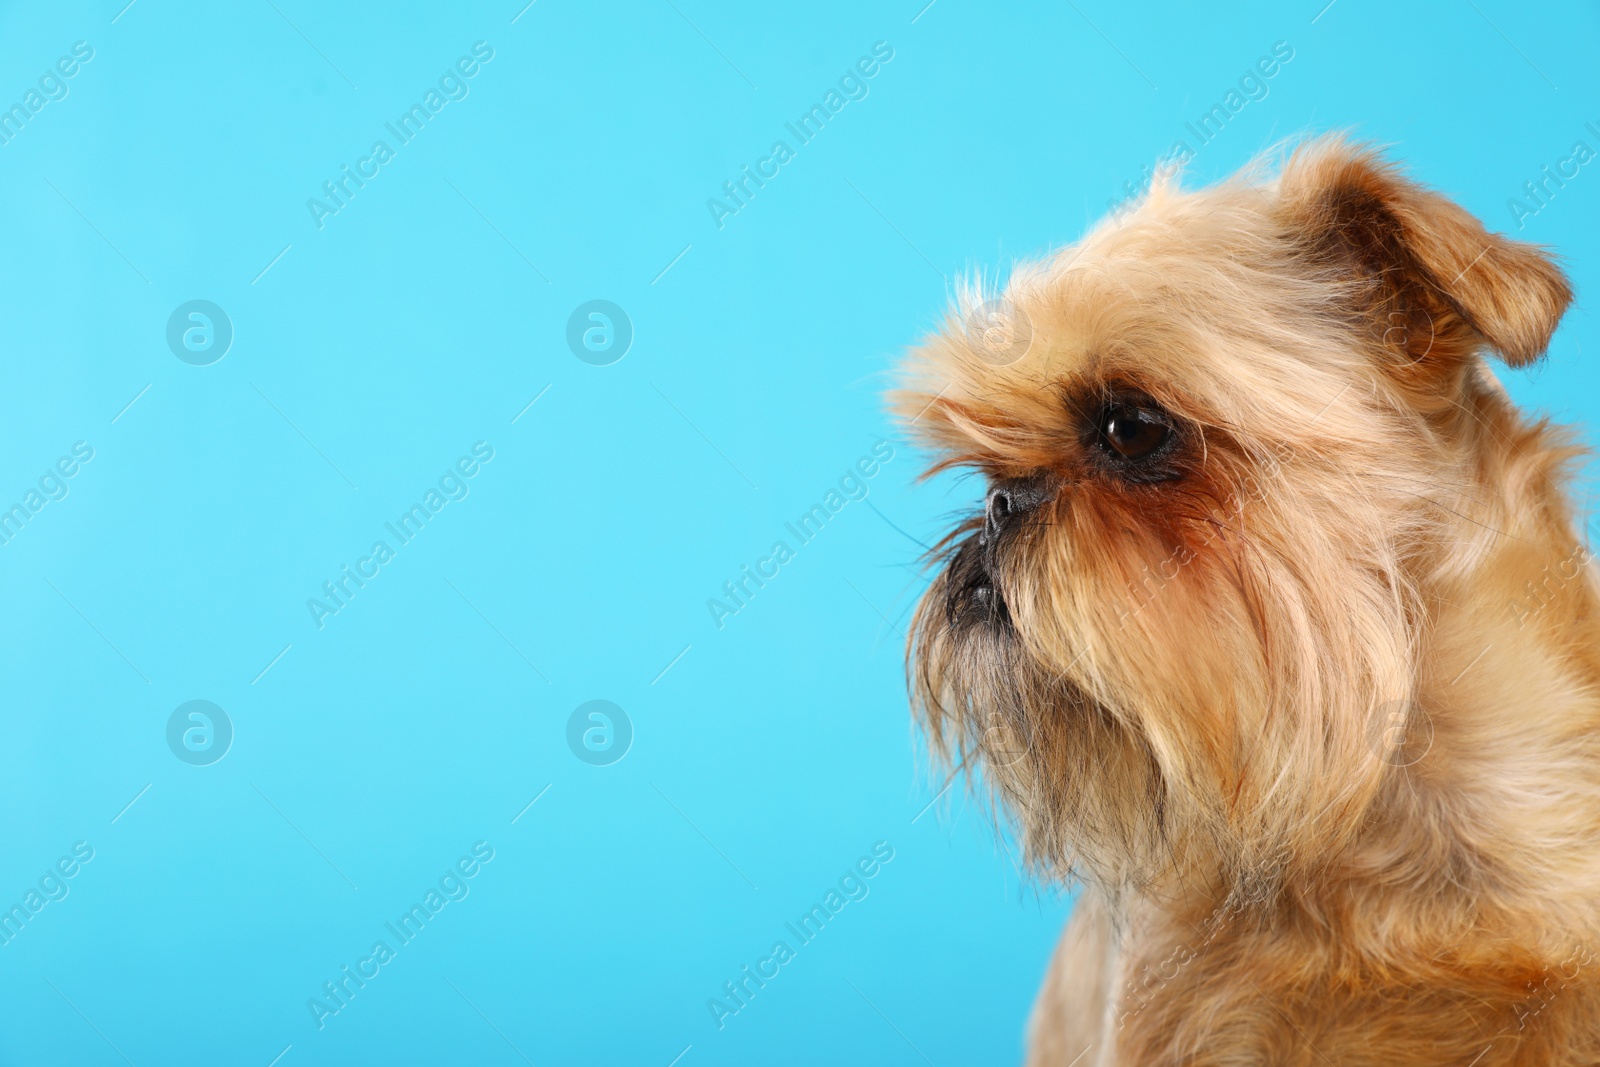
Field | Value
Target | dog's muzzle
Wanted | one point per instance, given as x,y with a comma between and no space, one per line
973,580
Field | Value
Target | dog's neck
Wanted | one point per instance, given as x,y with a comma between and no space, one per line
1498,794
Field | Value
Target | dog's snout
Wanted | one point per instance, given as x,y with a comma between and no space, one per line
1011,501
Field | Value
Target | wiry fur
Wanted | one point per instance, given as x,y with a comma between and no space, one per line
1186,692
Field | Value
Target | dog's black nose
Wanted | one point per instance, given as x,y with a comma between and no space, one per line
1011,501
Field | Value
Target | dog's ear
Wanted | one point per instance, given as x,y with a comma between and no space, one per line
1439,286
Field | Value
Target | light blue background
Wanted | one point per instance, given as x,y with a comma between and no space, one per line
378,349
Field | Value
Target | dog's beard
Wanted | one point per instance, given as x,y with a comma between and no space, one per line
1225,718
1084,788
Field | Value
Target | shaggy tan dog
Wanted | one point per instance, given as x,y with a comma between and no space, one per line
1278,632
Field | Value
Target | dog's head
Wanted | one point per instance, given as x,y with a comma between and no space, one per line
1223,439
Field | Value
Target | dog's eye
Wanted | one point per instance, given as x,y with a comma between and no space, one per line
1132,431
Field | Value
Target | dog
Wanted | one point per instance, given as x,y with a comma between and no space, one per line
1277,633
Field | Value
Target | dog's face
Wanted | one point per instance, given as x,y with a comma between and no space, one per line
1225,440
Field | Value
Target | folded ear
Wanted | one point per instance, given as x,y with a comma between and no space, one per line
1437,284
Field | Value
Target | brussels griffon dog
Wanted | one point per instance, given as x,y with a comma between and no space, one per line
1277,632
